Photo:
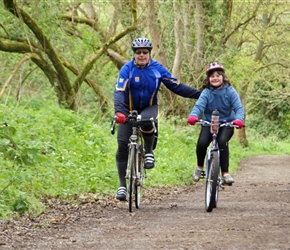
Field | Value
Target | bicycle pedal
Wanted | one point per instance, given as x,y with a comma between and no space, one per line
202,175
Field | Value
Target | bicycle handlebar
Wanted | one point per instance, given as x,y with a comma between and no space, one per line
133,118
226,124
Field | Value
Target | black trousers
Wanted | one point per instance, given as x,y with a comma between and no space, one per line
205,138
125,130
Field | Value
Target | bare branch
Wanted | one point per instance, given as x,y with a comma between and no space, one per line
271,64
96,88
88,66
90,22
43,40
116,58
226,38
13,46
22,60
5,30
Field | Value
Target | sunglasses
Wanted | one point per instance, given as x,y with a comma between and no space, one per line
141,52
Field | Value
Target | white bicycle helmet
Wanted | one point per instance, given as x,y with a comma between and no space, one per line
142,43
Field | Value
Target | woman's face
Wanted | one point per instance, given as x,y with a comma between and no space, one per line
142,57
216,79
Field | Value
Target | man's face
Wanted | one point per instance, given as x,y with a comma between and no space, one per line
142,57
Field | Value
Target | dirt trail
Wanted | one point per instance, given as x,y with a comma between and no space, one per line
254,213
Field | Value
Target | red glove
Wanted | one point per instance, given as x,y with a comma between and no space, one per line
239,123
121,118
192,120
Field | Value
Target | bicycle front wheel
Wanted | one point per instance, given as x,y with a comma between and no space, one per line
211,183
132,174
140,174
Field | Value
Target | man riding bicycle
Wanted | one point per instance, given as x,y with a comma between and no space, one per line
137,88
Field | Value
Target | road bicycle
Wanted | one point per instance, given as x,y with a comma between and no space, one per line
135,173
212,172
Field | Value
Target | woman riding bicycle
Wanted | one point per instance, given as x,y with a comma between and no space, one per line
137,87
217,94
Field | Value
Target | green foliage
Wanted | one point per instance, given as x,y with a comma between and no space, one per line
267,101
241,71
51,152
21,205
268,126
271,104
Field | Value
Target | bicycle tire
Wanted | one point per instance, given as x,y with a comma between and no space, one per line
217,193
212,182
131,190
140,176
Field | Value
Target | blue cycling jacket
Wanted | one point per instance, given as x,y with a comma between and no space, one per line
137,88
226,100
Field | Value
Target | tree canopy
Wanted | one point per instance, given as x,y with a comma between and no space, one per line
67,43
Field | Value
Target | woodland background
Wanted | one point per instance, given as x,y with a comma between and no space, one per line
77,47
68,54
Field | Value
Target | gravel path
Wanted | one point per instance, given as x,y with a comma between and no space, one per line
254,213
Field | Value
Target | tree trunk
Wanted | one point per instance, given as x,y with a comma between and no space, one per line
188,14
198,56
65,92
242,132
158,52
54,67
259,54
178,34
177,104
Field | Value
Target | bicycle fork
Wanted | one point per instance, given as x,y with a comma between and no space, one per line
220,182
137,179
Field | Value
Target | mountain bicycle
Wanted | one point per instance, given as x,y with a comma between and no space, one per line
135,173
212,172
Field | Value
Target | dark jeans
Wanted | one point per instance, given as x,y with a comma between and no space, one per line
125,130
205,138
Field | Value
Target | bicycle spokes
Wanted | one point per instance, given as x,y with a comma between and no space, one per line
211,189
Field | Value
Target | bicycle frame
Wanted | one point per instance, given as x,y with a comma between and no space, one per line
214,147
212,173
135,169
135,172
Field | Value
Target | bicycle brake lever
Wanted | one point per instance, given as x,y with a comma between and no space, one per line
113,125
153,124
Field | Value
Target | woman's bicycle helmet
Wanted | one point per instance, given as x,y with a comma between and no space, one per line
142,43
215,66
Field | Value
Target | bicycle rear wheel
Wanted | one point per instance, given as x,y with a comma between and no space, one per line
131,175
211,183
